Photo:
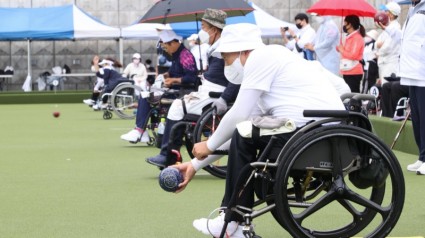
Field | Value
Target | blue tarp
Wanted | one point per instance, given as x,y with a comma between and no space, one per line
51,23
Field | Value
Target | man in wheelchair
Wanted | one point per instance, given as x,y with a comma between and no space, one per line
276,86
181,74
213,80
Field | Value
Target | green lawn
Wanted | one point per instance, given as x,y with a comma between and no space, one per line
73,177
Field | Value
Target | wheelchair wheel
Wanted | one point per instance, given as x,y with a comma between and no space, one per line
107,115
203,130
314,198
124,100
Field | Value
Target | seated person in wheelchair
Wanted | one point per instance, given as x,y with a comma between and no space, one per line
136,71
213,80
105,69
275,83
182,72
97,89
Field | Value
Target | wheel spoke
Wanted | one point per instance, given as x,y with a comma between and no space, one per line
356,198
320,203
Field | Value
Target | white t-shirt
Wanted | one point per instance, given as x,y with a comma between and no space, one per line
280,84
139,70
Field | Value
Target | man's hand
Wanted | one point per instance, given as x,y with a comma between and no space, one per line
380,25
309,46
188,172
168,82
220,105
200,150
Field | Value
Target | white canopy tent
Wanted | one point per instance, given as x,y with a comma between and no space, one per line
51,23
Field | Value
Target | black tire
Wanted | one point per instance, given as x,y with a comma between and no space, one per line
201,132
107,115
123,99
368,212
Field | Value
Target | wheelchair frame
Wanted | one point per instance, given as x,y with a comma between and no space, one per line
196,129
315,170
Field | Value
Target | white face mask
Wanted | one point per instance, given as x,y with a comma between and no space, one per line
204,37
234,72
136,61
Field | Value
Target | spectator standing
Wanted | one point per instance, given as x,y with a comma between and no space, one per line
388,43
370,64
325,42
352,52
305,35
412,73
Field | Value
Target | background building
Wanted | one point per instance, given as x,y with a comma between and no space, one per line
117,13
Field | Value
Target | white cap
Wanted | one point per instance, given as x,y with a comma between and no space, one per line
240,37
106,62
393,7
137,55
193,37
168,35
373,34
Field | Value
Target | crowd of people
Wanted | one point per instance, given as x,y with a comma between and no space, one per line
271,80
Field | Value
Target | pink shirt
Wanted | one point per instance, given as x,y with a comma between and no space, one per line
353,50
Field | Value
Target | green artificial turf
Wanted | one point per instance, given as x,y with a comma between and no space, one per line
73,177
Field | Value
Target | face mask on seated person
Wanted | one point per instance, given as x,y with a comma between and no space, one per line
204,37
234,72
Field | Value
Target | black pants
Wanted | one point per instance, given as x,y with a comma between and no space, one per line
417,108
353,82
391,93
242,152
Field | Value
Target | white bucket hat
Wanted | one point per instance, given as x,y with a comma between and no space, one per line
240,37
168,35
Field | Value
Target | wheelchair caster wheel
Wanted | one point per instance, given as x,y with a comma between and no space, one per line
151,142
107,115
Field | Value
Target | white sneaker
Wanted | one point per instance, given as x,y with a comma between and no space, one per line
96,107
132,136
103,106
214,226
145,137
89,102
415,166
421,170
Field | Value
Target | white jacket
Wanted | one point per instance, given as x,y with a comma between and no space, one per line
390,39
412,54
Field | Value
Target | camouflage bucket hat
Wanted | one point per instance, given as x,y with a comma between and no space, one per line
215,17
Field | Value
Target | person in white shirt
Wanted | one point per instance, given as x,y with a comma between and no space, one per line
370,66
136,71
388,43
304,36
199,51
412,74
274,82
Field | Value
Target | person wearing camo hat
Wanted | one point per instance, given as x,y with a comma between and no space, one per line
213,80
